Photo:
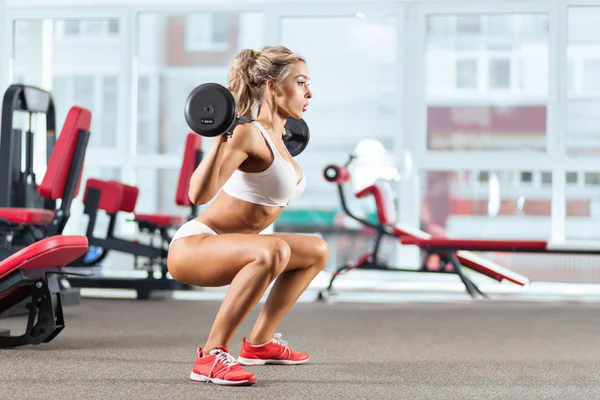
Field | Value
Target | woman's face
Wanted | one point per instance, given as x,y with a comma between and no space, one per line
293,93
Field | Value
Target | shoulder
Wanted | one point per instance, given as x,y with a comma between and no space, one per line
245,136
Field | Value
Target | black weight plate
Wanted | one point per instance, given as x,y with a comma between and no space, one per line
210,109
296,136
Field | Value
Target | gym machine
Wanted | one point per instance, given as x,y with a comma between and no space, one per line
17,184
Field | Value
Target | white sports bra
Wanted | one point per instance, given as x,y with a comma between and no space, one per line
276,186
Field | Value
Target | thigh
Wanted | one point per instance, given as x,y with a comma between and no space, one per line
214,260
306,250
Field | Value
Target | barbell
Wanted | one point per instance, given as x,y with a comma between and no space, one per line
211,110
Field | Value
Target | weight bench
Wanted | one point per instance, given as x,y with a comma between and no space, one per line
20,227
32,273
449,251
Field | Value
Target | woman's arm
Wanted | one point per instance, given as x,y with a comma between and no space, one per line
217,166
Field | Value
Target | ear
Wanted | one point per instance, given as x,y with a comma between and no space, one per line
272,88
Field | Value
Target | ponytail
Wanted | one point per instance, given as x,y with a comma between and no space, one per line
240,84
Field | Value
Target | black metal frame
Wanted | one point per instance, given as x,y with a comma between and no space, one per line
17,187
28,234
45,309
157,255
373,262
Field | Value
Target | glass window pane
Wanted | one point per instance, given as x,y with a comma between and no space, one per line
499,74
583,98
590,81
110,93
466,74
339,92
84,71
157,191
93,27
494,207
72,27
113,26
169,73
572,178
508,110
583,207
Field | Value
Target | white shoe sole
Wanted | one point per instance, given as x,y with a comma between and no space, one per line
201,378
254,362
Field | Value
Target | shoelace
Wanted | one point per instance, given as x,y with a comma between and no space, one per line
277,339
227,359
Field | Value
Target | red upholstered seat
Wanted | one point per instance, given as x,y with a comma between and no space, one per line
476,244
52,252
57,174
130,197
193,144
111,194
26,216
160,220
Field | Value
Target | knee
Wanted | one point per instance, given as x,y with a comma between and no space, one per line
275,256
321,250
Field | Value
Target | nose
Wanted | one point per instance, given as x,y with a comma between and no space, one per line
308,93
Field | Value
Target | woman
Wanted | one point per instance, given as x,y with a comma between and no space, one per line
222,246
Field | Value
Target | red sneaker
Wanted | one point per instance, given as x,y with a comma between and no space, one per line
274,352
220,367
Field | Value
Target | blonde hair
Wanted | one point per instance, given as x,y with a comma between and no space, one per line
250,71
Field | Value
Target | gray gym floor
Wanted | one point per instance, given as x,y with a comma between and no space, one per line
127,349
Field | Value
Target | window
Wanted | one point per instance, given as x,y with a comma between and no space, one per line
526,177
591,75
71,27
493,206
583,96
87,28
113,27
499,25
466,74
546,178
571,178
484,176
592,178
506,69
207,32
499,74
468,24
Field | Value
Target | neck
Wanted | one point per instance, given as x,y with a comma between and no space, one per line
271,120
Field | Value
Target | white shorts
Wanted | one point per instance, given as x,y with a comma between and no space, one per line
191,228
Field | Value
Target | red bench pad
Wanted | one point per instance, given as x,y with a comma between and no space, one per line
160,220
411,236
476,244
111,194
52,252
27,216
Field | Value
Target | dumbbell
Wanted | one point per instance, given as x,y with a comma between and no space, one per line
210,110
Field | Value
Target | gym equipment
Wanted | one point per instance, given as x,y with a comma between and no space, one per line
456,252
113,197
32,274
387,225
21,226
17,185
210,110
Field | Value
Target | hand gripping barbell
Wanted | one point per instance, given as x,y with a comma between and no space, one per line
210,110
